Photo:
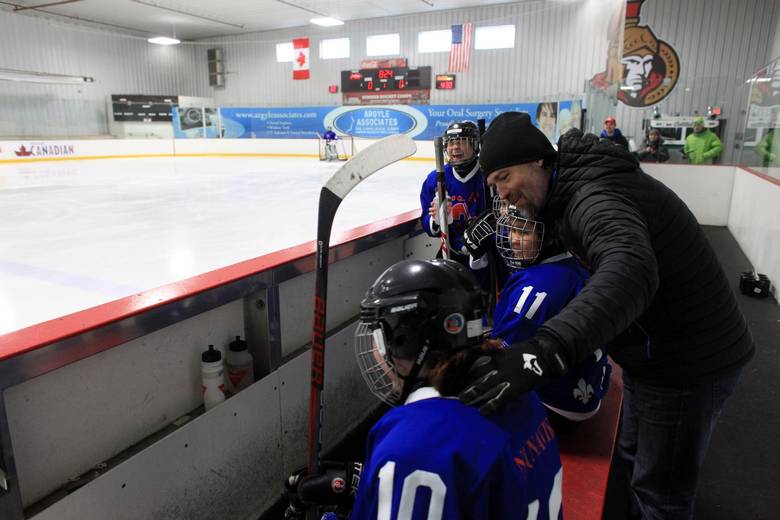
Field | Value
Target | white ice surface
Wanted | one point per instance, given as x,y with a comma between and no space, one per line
80,233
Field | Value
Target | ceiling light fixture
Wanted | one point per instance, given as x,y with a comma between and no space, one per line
164,40
326,21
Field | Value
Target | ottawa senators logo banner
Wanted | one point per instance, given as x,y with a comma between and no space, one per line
644,69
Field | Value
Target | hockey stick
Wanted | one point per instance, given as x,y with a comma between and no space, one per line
361,166
492,274
441,196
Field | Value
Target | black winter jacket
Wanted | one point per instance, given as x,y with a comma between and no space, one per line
657,295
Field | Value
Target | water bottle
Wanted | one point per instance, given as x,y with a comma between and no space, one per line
240,366
212,370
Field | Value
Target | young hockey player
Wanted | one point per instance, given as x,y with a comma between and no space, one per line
464,186
330,137
432,456
535,292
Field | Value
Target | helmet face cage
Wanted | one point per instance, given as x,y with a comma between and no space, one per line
518,239
460,133
500,207
376,363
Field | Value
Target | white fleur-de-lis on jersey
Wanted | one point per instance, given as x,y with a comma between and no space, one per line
583,392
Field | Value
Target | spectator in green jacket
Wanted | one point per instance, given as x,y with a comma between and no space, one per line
702,146
769,150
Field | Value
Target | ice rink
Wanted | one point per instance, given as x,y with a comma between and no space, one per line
76,234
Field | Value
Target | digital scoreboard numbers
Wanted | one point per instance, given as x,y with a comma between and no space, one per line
445,81
386,85
389,78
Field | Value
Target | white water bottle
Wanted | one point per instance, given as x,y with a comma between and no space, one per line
212,370
240,366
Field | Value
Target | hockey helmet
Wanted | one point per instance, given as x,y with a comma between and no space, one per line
413,308
465,130
519,238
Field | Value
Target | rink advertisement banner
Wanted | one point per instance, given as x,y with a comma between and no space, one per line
421,122
195,122
274,123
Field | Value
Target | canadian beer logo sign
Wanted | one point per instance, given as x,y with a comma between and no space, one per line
648,68
45,150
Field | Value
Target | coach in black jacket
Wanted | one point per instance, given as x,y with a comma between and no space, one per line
657,296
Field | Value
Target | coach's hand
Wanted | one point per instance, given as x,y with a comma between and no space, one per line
480,233
494,382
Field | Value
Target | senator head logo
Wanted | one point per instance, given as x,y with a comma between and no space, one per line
648,68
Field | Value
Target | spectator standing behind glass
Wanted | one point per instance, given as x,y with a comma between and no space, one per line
613,133
653,149
702,146
769,149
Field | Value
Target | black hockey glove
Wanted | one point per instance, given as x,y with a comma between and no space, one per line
480,233
332,489
494,382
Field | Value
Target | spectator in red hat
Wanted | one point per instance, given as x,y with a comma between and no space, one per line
613,133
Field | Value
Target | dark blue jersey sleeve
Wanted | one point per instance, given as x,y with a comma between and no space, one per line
530,297
427,193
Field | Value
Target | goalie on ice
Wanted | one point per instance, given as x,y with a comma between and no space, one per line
330,137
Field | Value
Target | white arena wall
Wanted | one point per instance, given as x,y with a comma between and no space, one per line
706,190
754,221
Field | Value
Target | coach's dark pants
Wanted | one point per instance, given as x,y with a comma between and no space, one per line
664,436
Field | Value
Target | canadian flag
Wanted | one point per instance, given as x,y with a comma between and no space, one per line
301,58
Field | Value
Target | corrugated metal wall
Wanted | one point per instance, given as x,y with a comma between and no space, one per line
776,42
120,64
720,44
557,45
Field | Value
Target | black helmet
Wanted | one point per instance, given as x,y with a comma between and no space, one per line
462,130
414,307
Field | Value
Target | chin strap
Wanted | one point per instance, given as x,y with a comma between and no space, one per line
411,383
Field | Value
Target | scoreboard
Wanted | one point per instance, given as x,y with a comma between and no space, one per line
445,81
142,108
386,79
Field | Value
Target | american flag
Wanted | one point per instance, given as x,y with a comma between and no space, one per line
460,50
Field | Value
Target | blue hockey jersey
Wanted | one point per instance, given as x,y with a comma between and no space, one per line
436,458
532,296
467,198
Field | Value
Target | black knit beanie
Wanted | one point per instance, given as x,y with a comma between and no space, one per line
512,139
